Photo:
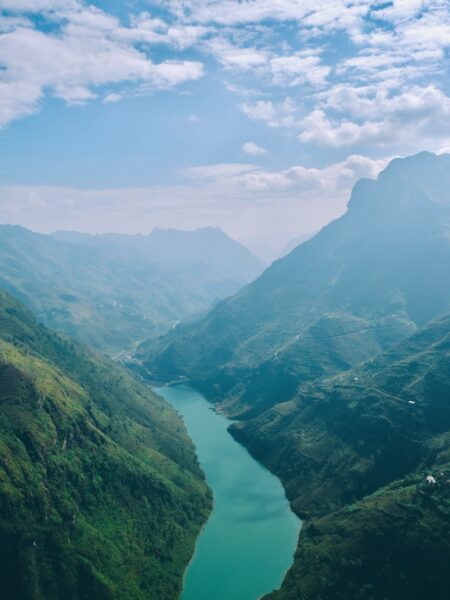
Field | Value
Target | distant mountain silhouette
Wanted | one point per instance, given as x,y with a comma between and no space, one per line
112,290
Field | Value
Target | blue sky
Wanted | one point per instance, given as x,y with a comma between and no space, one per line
257,116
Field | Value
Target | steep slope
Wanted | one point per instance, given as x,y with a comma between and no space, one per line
292,244
113,290
362,283
100,492
354,455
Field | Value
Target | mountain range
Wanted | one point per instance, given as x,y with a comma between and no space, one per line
110,291
362,283
335,365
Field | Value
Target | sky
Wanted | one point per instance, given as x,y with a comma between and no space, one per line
256,116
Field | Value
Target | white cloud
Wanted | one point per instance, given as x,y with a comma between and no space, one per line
253,149
288,69
283,114
305,180
35,6
324,13
87,51
262,110
235,57
419,113
218,171
298,69
346,115
185,36
112,98
363,102
261,208
18,99
151,30
399,11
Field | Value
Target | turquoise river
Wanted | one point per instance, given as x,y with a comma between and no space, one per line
248,543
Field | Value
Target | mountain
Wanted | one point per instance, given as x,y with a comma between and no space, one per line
362,283
110,291
100,492
335,364
292,244
366,459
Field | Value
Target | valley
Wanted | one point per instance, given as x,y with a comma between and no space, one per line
112,291
224,300
331,370
334,365
248,542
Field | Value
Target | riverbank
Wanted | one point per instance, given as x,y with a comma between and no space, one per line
248,543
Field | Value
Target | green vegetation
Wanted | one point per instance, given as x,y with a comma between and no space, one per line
336,364
101,495
354,455
110,291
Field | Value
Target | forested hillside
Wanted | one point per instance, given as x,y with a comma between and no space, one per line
100,490
366,458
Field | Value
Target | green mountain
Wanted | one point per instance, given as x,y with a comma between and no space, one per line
362,283
366,459
100,492
110,291
336,364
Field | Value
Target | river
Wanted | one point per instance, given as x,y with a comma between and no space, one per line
248,543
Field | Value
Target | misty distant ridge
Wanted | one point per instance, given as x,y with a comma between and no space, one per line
113,290
157,233
171,243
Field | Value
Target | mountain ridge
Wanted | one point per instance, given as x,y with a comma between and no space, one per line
344,269
110,293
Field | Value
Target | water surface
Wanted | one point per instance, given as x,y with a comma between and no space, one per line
249,540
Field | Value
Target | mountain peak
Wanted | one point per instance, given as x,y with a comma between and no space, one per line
428,172
385,262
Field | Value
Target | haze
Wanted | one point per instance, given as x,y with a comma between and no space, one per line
252,116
